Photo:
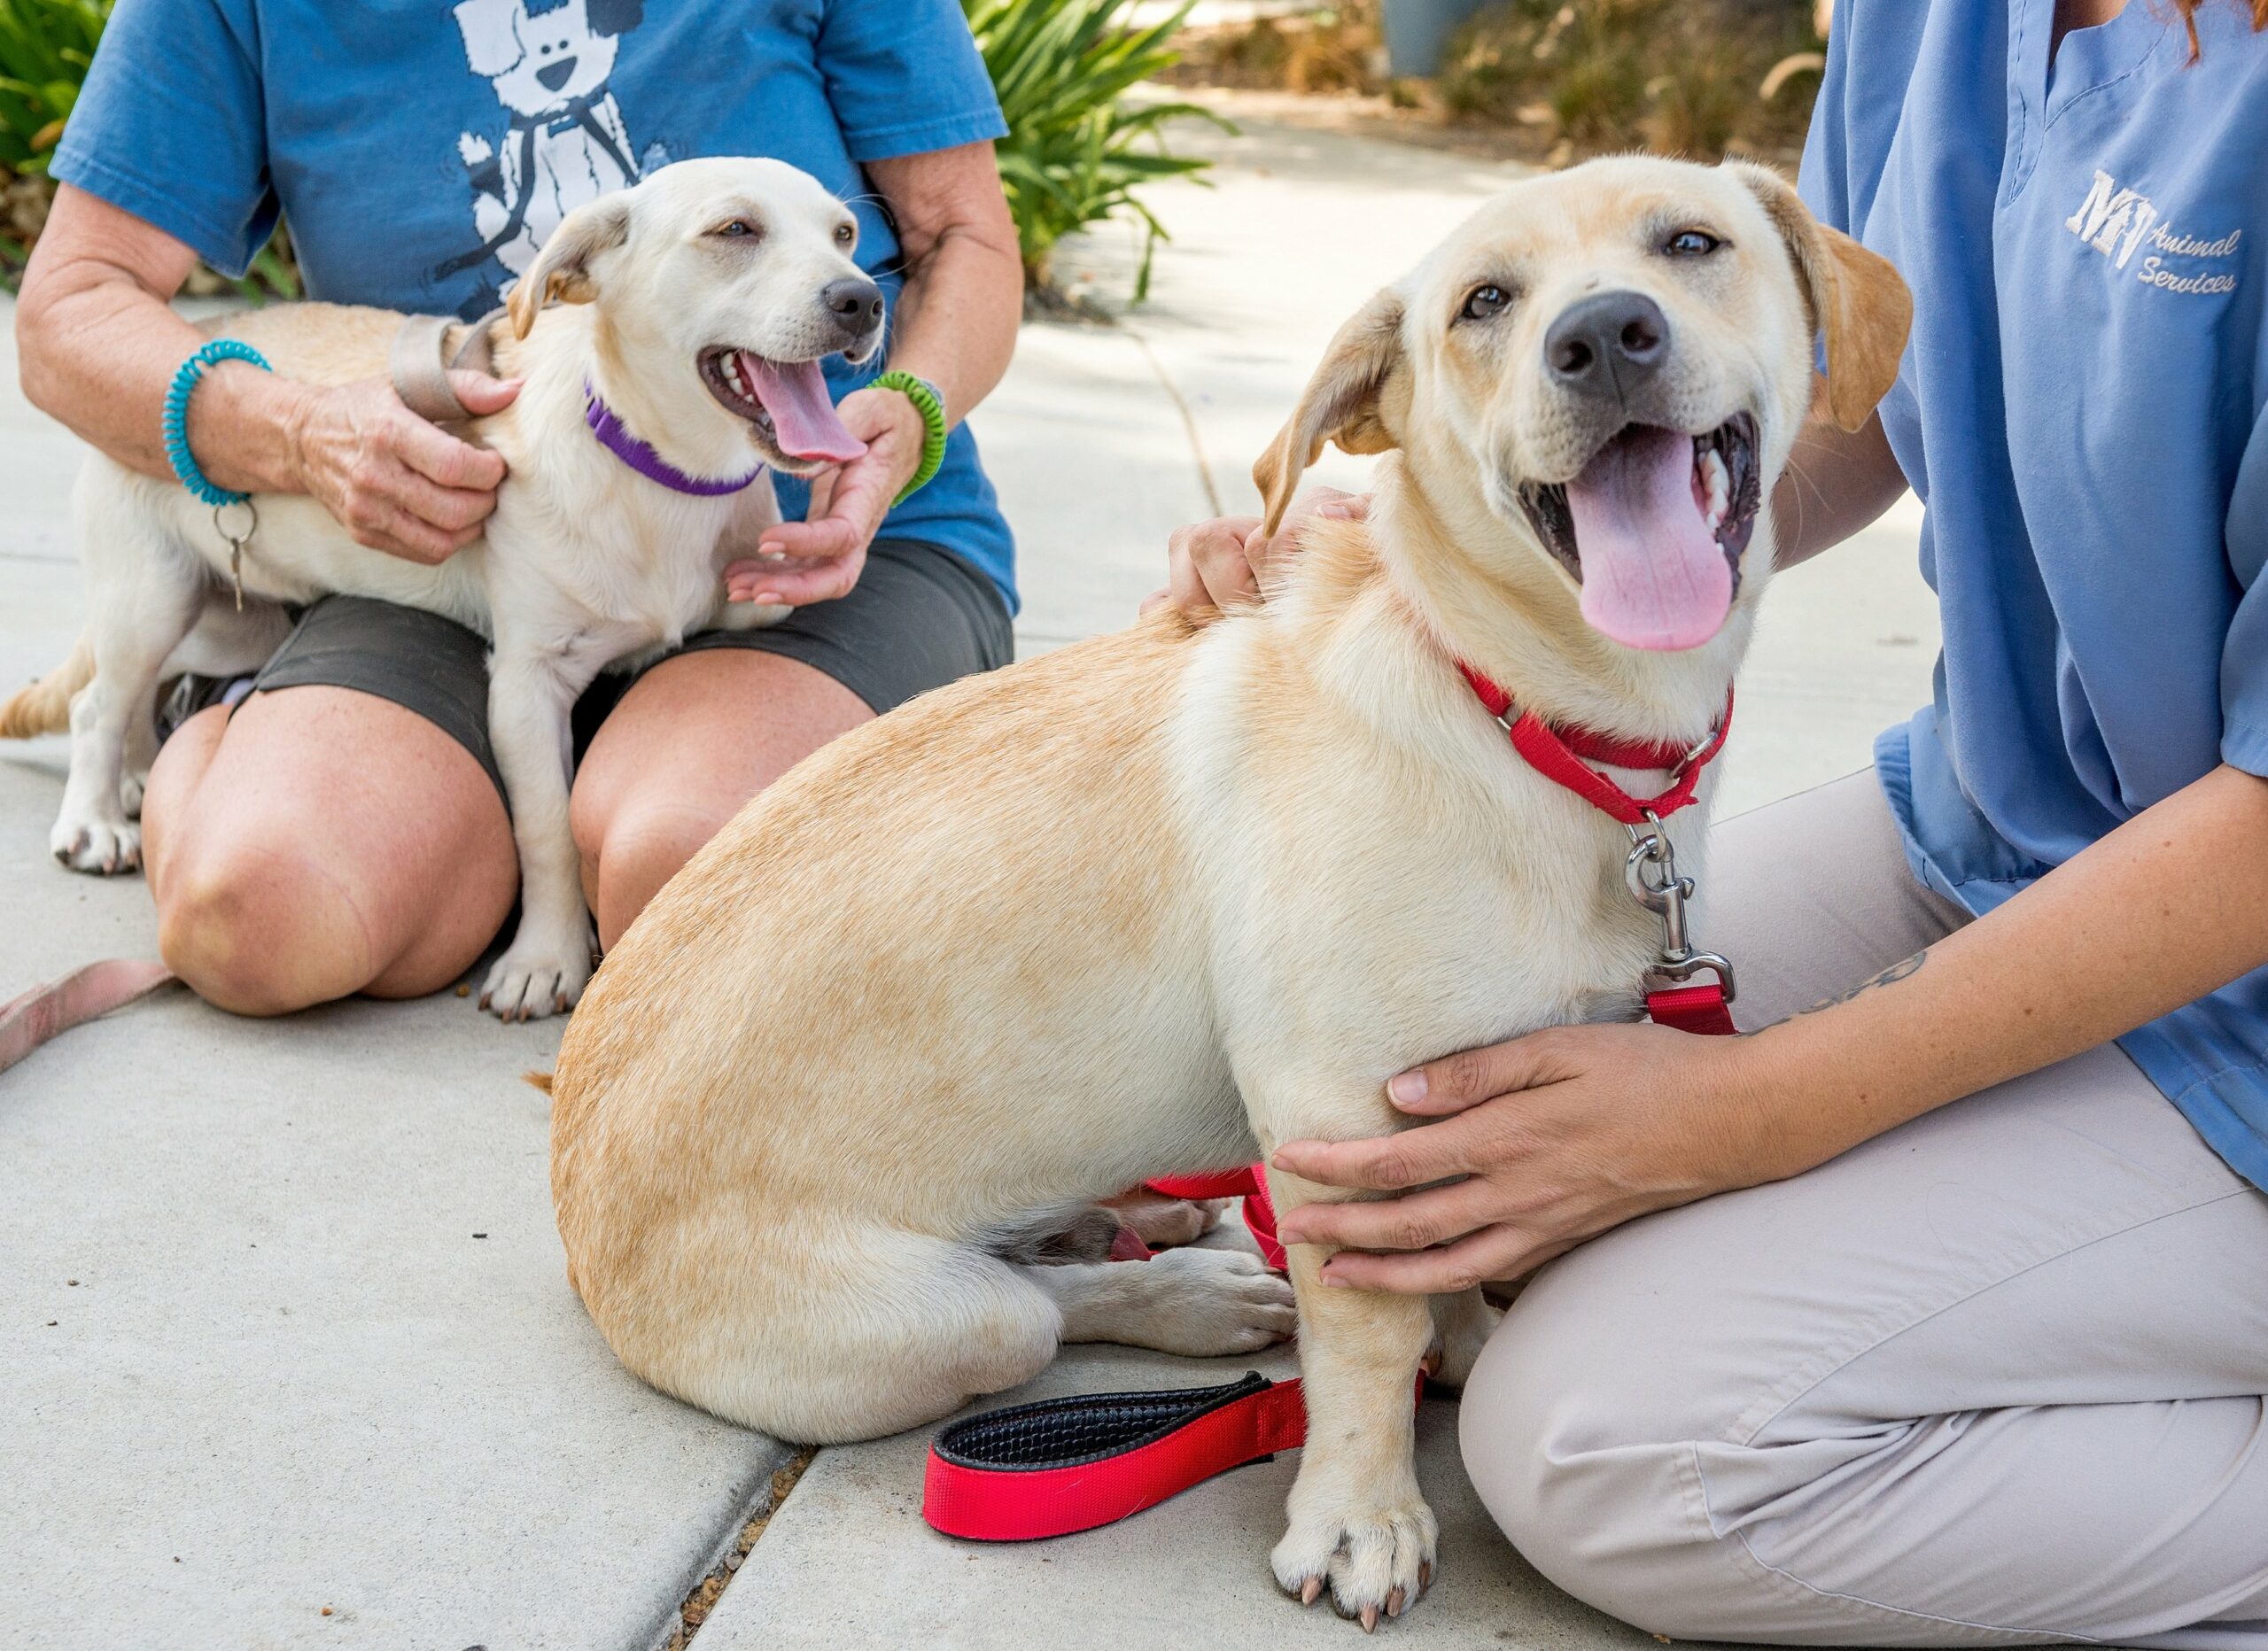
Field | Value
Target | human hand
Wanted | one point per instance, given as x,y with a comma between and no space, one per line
394,481
820,557
1560,1135
1215,564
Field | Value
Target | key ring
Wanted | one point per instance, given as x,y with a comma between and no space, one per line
236,541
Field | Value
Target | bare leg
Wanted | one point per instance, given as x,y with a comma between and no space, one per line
318,843
697,737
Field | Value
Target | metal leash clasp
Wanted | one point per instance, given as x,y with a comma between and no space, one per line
236,541
1650,870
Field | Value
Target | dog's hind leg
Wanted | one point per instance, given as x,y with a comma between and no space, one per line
226,642
1202,1303
840,1333
146,591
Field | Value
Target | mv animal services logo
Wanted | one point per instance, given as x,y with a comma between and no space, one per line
564,142
2119,222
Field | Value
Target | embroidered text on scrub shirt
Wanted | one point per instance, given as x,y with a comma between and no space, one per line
2117,222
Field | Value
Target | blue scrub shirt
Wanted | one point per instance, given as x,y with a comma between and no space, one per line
2081,411
423,150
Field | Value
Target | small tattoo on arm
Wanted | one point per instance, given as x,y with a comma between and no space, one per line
1891,976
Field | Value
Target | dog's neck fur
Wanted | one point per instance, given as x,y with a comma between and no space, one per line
672,412
1423,581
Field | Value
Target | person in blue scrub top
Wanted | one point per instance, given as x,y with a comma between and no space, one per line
336,824
1946,1320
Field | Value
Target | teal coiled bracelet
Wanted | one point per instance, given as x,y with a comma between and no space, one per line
176,420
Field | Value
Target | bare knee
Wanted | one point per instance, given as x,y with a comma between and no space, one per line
257,929
629,851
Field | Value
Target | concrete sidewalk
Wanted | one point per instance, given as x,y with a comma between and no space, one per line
290,1356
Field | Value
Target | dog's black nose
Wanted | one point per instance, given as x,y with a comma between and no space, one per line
1607,345
856,305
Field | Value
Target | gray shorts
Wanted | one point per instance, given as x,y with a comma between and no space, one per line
918,618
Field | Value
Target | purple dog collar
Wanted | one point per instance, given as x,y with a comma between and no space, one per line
614,437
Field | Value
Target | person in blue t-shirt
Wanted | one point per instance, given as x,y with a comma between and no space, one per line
349,835
1973,1348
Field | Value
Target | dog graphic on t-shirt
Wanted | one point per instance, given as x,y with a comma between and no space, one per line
566,142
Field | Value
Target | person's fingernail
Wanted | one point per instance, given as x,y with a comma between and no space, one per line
768,599
1407,1087
771,555
1332,1281
1292,1235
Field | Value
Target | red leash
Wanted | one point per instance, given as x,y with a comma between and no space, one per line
1061,1465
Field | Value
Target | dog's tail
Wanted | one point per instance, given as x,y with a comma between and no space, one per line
537,1081
45,706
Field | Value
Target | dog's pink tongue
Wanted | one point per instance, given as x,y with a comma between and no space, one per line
1654,576
804,419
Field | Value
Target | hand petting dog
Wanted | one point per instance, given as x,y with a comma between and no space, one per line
394,482
820,558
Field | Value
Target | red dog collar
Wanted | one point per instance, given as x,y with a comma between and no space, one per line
1564,758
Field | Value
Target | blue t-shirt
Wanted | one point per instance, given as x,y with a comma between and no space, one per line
2081,412
423,152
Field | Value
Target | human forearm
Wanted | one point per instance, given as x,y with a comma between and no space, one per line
963,298
1835,482
1564,1134
2158,912
99,347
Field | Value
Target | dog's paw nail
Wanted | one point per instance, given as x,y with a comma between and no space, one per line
1310,1590
1370,1619
1394,1602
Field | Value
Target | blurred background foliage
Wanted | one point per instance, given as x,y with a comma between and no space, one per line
45,46
1553,80
1077,152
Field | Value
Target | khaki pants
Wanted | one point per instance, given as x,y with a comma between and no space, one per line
1996,1377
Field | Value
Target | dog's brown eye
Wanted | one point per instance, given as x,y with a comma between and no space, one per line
1484,301
1691,243
736,228
844,234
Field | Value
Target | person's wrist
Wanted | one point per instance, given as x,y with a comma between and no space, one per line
1728,1100
246,426
1767,1092
905,419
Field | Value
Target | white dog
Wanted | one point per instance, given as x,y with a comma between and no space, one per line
1161,901
706,299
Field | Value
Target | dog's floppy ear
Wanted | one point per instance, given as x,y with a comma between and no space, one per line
1341,403
492,41
1857,297
563,270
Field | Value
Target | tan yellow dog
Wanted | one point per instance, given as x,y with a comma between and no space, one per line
1159,902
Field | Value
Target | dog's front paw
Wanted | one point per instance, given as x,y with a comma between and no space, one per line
1219,1301
1375,1556
130,789
105,848
536,978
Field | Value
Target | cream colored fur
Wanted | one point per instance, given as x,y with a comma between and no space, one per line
585,563
1157,903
